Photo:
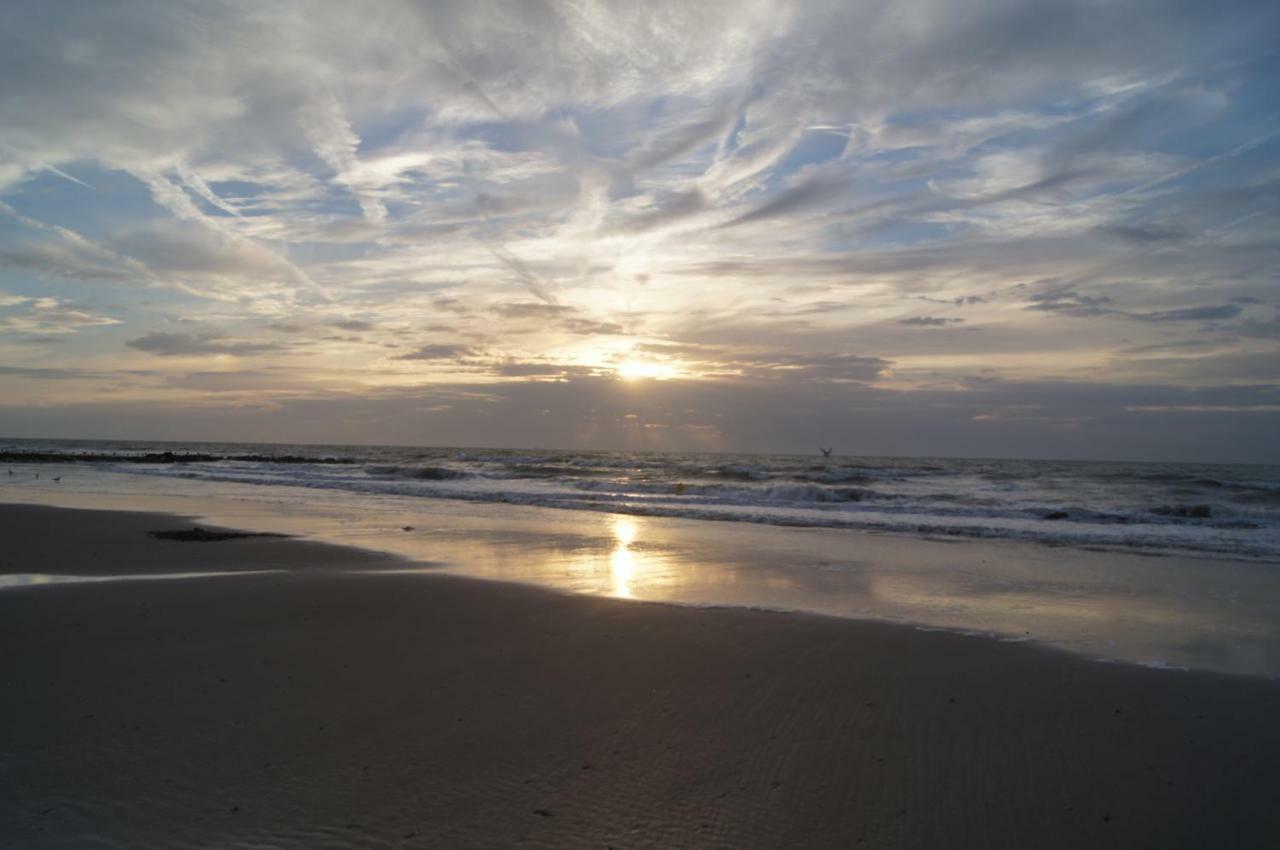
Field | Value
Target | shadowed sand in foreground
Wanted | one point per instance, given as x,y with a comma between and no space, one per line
316,708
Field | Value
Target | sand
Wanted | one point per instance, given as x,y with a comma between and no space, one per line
335,705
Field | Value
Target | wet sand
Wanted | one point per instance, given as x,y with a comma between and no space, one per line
319,707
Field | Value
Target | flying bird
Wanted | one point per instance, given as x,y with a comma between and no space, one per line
825,452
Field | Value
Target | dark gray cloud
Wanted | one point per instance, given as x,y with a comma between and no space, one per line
1068,301
590,327
248,381
450,304
1173,345
770,365
537,369
929,321
957,301
441,351
531,310
39,374
354,325
1140,233
810,367
182,344
1189,314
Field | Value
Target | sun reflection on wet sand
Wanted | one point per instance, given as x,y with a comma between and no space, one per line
622,561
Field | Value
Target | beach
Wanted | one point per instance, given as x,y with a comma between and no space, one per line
338,702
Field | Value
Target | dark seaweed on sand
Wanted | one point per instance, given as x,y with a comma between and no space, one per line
204,535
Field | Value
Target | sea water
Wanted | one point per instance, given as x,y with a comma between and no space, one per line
1158,564
1178,508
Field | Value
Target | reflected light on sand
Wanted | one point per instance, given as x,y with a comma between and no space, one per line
622,561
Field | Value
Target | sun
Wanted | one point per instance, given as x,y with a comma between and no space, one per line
635,370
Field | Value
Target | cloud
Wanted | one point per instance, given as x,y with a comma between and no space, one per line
533,281
40,316
688,134
530,310
438,352
354,325
248,382
813,190
771,188
590,327
671,208
1190,314
185,250
1141,234
40,374
46,250
810,367
540,369
1065,299
189,344
929,321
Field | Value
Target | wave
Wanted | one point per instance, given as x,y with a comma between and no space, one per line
1184,511
739,472
420,473
739,494
1178,507
789,504
1257,496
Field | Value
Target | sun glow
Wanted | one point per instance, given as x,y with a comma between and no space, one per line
635,370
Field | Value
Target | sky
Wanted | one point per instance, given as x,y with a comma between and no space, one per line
1033,228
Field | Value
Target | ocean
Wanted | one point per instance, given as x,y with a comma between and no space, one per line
1161,508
